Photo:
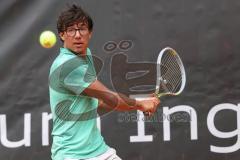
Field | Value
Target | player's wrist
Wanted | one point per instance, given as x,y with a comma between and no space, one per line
139,105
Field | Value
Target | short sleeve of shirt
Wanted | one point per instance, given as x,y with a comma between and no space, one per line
77,75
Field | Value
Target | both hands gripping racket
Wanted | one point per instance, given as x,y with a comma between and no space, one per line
171,76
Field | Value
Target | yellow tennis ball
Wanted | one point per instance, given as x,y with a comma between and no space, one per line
47,39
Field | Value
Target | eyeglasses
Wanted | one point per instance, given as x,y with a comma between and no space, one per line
71,32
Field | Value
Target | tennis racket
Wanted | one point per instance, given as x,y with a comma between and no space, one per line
171,76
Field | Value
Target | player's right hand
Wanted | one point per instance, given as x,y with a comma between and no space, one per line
149,105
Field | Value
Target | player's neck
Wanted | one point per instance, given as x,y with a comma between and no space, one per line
80,54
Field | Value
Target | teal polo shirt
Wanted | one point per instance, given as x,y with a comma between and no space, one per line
75,133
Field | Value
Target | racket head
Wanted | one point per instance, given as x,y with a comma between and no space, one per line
171,75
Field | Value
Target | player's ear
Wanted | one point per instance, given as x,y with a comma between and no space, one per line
61,35
90,35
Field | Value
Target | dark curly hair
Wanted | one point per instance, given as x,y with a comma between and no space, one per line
74,14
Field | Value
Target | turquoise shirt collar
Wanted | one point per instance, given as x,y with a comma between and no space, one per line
68,51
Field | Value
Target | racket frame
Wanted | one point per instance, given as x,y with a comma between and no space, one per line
159,77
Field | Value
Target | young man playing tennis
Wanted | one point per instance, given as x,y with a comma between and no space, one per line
75,94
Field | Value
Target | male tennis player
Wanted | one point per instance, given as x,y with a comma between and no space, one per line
75,94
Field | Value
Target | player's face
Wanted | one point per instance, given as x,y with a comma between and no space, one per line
76,38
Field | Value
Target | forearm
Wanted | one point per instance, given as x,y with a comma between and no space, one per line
119,102
111,99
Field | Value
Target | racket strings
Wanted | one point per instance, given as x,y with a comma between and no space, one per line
171,73
175,74
172,84
174,77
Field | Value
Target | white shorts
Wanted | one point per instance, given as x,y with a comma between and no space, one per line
110,154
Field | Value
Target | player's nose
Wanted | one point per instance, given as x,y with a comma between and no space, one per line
78,34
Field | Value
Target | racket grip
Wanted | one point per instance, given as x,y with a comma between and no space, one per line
146,113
